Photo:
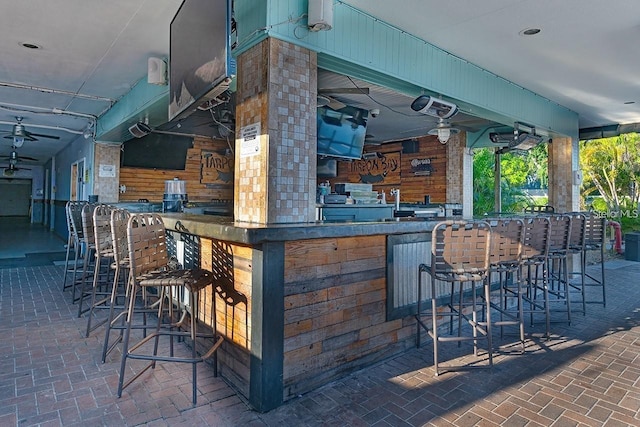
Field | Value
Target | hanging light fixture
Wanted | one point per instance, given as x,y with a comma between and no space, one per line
444,131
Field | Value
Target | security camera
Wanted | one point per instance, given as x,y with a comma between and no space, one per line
374,112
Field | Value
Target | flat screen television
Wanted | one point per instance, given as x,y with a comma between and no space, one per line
200,62
156,151
341,132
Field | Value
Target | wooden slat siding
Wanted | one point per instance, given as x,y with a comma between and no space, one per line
335,302
412,188
235,325
148,184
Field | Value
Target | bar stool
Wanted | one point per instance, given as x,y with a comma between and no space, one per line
558,282
576,247
459,255
505,257
594,231
103,254
73,210
88,260
535,250
148,258
117,303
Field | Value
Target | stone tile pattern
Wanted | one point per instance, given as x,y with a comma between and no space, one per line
455,168
277,86
106,188
587,374
561,186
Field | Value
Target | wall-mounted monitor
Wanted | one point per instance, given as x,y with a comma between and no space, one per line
156,151
341,132
200,62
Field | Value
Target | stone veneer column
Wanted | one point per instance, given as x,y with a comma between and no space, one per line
276,88
107,188
563,163
460,174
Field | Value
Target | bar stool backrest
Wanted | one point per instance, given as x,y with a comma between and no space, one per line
102,228
119,221
460,248
506,240
594,229
74,217
147,243
535,242
87,223
560,232
577,236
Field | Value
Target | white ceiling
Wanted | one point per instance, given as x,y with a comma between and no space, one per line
92,52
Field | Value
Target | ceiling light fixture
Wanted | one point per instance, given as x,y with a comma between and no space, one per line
444,131
18,141
88,132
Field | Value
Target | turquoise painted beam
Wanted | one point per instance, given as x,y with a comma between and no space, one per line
143,101
372,50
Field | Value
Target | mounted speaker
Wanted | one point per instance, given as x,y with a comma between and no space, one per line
156,71
139,129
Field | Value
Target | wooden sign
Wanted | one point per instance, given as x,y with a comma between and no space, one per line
216,169
383,170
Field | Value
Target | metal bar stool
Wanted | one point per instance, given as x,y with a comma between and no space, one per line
88,260
103,253
148,258
558,282
73,210
117,305
535,250
576,247
459,255
594,232
505,257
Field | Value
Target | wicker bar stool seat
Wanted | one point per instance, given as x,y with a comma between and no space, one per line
149,260
459,256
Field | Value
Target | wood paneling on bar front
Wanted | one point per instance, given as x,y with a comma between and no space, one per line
422,170
142,183
335,293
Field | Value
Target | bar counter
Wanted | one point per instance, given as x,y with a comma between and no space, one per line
303,304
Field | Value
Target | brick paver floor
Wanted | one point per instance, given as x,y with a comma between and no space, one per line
587,374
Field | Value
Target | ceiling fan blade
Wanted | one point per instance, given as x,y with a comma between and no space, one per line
42,135
26,138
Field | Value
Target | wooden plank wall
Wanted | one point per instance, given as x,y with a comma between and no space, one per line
148,184
335,310
414,180
231,265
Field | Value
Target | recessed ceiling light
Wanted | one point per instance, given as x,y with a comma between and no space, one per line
30,45
530,32
629,102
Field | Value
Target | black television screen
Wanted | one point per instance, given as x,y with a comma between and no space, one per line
200,62
341,132
156,151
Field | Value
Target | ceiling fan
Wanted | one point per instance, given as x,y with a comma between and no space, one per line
19,134
13,163
12,169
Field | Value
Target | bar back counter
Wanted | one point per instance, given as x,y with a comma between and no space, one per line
300,305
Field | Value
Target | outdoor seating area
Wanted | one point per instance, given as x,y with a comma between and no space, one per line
503,268
585,373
